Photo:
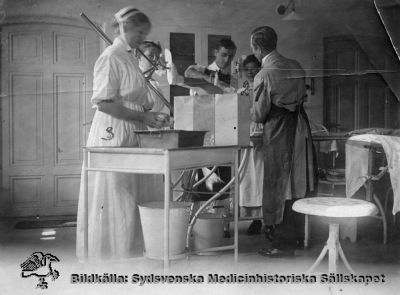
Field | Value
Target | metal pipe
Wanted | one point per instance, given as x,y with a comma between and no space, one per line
108,41
96,29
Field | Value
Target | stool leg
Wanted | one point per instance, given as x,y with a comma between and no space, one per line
334,250
332,244
306,230
346,263
319,259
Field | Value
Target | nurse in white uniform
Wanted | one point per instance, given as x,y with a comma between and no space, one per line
120,96
251,186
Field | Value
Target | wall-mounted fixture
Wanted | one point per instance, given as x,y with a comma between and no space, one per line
281,9
311,86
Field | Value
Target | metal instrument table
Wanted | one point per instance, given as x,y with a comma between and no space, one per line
373,148
160,161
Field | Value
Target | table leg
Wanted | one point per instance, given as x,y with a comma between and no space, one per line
370,196
370,168
167,192
85,207
383,217
236,207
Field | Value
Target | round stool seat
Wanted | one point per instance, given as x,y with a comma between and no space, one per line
335,207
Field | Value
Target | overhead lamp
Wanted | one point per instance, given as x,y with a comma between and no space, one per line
281,9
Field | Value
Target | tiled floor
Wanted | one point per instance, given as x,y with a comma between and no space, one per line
367,256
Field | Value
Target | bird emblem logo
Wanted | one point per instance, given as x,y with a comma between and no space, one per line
40,265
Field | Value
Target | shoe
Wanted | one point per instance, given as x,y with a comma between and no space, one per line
300,244
254,228
269,232
276,253
227,234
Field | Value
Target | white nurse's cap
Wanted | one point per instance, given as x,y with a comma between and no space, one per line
125,13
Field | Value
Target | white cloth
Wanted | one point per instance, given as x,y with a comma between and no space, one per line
357,163
252,175
113,197
213,67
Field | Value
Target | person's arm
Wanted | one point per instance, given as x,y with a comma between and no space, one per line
198,72
118,111
262,100
173,76
106,84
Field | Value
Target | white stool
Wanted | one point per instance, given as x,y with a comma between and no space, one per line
334,208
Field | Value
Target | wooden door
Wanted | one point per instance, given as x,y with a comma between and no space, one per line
356,96
46,87
341,85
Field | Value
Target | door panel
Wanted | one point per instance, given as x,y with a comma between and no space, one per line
26,191
25,47
46,82
66,190
342,101
372,104
25,94
346,60
346,103
69,49
68,118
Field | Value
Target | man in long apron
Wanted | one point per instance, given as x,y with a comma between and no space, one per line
289,165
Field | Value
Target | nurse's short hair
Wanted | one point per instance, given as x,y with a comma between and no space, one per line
251,59
150,44
264,37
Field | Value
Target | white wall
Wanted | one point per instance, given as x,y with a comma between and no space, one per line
299,40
